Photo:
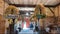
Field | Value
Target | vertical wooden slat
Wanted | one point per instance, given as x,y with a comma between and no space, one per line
59,10
2,25
56,11
3,6
59,16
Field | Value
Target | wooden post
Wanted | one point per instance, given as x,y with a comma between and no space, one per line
2,25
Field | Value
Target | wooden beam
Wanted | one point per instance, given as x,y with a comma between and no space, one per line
51,11
22,5
18,5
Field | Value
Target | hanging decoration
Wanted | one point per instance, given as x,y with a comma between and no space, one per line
11,11
39,12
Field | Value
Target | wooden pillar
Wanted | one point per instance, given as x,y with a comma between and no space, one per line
59,16
59,10
2,25
56,11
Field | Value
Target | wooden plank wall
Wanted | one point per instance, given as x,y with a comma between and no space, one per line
2,25
58,10
3,6
50,19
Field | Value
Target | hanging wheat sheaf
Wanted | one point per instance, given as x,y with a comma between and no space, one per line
11,10
39,12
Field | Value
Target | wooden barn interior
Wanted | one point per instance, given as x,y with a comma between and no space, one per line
41,16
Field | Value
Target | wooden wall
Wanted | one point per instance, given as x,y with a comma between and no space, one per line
50,19
3,6
2,25
58,13
57,10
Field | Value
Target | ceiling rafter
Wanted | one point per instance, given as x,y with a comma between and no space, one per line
8,1
18,1
37,1
34,2
13,2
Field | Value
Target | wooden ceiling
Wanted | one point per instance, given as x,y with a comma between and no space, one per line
33,2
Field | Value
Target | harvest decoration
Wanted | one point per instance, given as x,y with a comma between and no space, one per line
40,16
39,12
11,10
